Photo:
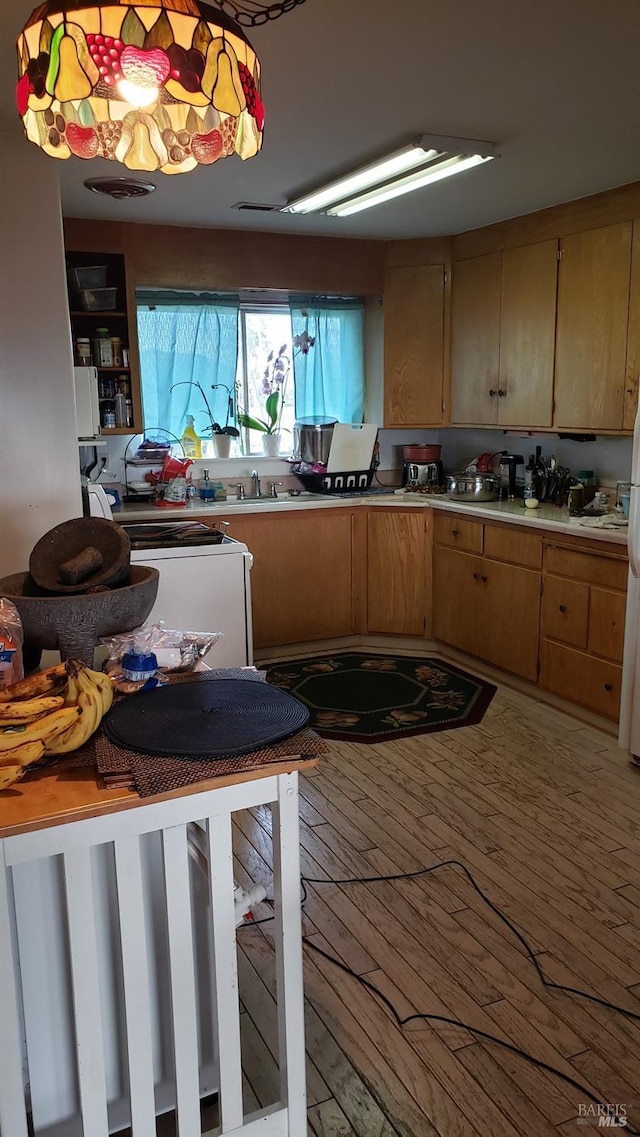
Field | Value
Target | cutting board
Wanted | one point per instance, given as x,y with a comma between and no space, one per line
351,447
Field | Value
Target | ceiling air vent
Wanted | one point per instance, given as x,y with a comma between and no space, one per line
256,207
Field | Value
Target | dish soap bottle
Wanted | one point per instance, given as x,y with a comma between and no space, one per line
207,491
191,442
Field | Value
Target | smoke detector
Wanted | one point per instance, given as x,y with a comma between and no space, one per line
120,188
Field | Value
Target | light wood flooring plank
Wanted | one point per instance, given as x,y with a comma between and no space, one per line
328,1120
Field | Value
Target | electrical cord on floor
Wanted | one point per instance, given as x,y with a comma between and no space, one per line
481,1034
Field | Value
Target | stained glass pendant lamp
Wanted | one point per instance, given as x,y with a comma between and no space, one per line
155,84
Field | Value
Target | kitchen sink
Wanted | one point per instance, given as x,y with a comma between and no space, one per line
253,501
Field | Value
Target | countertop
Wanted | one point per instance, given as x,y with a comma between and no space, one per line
67,792
545,517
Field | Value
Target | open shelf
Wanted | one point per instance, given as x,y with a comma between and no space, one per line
112,314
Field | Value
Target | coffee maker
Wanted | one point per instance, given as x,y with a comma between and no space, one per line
422,474
511,476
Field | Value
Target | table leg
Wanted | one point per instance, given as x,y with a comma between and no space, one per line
288,942
13,1119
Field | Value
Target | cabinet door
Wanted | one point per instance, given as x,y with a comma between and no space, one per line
581,678
527,335
591,341
301,576
606,623
633,336
397,569
458,613
475,339
565,611
413,345
510,607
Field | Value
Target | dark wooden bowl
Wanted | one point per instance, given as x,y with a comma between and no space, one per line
74,624
64,542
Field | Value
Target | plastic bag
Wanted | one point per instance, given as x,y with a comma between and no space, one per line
175,651
11,638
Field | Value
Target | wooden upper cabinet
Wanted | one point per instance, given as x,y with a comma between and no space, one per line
503,313
475,339
632,378
591,338
527,335
413,345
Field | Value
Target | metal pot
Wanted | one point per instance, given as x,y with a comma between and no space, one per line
473,487
312,440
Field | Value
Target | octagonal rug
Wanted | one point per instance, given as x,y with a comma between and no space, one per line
363,697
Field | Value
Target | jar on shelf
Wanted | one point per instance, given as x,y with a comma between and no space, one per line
102,348
129,412
122,385
109,417
116,351
83,351
120,410
106,387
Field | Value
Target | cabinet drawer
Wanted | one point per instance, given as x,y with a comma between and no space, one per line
581,678
565,611
606,623
508,543
458,533
594,568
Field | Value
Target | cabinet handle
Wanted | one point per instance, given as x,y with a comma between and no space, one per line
484,579
608,686
476,576
562,608
455,532
492,393
501,394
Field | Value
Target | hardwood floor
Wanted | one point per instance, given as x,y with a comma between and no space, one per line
545,813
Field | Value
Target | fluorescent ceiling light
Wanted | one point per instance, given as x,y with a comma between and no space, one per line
397,163
427,160
406,185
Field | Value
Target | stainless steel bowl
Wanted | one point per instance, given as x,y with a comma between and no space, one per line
473,487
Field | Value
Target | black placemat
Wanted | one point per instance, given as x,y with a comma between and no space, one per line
205,720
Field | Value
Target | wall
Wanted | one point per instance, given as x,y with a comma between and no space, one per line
39,482
609,456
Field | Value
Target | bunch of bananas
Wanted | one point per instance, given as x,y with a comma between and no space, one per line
52,712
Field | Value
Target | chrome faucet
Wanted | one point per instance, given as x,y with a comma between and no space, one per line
257,492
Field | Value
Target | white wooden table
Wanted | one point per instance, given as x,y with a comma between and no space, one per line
50,816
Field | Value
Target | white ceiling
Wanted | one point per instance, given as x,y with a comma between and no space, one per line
555,83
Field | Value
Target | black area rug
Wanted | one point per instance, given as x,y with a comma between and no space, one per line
363,697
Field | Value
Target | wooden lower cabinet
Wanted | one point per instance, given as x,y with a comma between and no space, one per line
583,627
581,678
397,572
456,596
301,581
487,609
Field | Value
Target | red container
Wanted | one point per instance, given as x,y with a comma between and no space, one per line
418,453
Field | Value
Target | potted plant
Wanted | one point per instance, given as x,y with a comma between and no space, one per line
274,386
221,436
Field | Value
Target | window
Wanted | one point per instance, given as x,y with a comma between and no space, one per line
216,358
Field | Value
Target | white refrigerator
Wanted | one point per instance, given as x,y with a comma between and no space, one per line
629,731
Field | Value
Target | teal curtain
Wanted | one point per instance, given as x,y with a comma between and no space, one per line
188,340
329,379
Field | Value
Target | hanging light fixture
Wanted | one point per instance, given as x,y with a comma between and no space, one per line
156,85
